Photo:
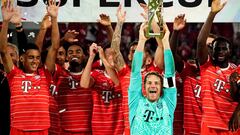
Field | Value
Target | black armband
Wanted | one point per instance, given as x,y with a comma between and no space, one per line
169,82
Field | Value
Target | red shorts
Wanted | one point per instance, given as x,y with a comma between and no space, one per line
15,131
205,130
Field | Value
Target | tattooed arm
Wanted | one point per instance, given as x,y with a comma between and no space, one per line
119,61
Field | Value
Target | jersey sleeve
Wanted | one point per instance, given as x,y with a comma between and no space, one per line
59,71
49,75
169,83
96,77
125,70
15,70
135,87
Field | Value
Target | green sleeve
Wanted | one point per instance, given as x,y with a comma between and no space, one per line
135,87
169,69
169,90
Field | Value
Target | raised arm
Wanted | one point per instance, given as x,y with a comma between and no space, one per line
21,39
69,37
135,87
158,57
169,69
21,36
106,21
169,84
46,23
110,70
202,48
51,56
7,13
178,24
86,80
115,45
142,38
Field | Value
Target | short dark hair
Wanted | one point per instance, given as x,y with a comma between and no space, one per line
72,44
84,48
221,40
30,46
135,42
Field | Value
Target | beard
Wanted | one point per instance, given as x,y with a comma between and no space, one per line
74,63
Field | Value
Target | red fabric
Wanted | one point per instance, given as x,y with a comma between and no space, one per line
178,114
75,103
29,99
151,68
192,100
54,110
74,133
54,117
238,69
205,130
124,78
15,131
217,103
186,132
107,117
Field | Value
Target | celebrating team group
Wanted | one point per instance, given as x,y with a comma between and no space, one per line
64,89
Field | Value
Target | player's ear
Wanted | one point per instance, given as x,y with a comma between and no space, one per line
22,58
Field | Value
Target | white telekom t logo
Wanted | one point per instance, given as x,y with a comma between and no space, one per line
106,96
73,84
219,85
26,85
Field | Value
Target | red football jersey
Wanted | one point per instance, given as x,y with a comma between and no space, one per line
238,69
75,103
107,117
217,103
124,78
178,114
151,68
29,99
54,117
192,99
54,109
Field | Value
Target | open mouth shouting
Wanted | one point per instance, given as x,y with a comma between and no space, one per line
221,57
153,94
152,91
74,59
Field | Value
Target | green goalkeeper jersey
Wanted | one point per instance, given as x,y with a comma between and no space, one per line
152,118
